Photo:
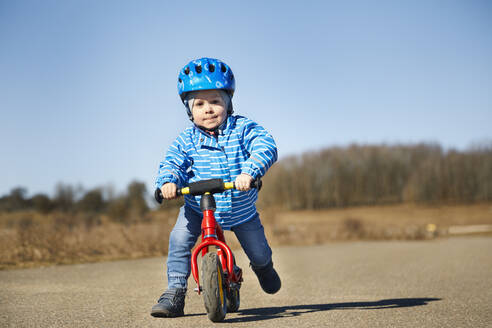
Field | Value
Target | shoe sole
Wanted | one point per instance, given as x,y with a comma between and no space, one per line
166,314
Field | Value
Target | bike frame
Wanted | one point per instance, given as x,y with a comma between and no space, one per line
213,235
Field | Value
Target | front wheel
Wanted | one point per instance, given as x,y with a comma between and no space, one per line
214,293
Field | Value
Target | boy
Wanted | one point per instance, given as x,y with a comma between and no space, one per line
217,145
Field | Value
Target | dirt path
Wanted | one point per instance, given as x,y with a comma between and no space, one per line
440,283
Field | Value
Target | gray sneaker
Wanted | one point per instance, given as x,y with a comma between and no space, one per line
170,304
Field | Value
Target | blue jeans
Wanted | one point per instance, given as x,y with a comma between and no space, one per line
185,233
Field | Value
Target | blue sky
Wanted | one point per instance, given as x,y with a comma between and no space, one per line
88,88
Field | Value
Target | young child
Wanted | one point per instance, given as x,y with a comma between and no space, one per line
217,145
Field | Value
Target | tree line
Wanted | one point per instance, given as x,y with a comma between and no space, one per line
379,174
73,201
331,177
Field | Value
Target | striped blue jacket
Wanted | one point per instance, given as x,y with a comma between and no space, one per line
242,146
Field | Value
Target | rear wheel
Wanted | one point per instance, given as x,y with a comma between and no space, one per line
233,299
214,293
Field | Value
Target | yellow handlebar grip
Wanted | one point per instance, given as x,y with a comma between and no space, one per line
228,185
185,190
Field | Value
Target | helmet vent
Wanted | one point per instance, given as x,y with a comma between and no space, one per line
204,74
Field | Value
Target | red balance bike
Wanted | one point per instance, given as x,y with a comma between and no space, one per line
221,279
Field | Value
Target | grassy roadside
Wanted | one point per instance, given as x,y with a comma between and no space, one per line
404,221
30,240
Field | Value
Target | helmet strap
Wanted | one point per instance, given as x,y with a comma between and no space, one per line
213,132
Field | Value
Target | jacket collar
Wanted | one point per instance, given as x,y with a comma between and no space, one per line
201,137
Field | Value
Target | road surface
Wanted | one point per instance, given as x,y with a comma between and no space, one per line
438,283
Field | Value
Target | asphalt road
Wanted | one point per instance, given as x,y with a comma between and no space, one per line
439,283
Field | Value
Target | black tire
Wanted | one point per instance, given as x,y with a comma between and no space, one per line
214,293
233,299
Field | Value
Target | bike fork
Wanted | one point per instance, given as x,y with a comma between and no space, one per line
212,235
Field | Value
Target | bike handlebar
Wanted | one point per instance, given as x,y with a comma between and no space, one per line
211,186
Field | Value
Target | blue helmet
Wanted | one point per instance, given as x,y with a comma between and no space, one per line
205,74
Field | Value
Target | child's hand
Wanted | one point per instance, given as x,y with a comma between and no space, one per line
243,182
169,190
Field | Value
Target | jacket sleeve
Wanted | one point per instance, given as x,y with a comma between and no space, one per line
173,167
261,147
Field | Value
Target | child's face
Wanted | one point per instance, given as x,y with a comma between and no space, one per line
208,109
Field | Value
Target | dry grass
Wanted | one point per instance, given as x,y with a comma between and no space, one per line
405,221
29,239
